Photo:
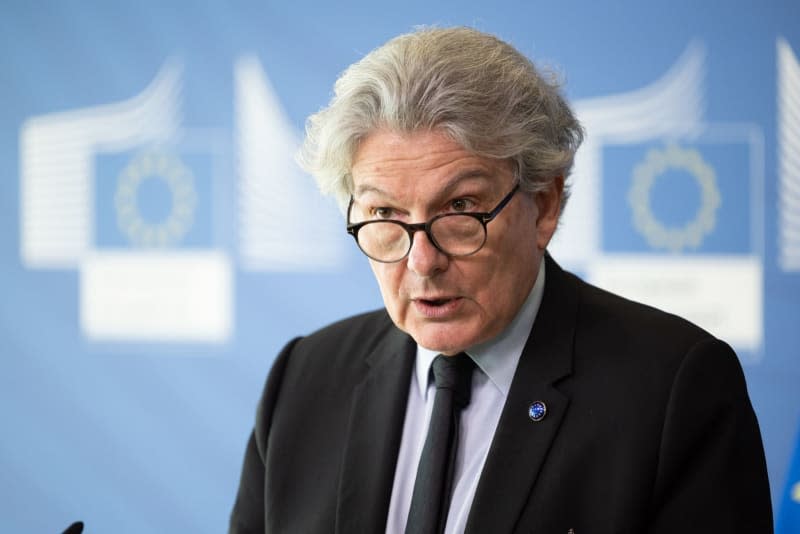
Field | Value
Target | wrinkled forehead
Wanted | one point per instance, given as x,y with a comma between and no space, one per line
386,186
389,163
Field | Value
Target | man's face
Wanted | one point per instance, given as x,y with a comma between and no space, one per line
449,304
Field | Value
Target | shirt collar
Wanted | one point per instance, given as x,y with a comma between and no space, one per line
499,356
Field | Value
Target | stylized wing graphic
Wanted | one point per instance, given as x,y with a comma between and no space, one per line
788,158
284,222
56,166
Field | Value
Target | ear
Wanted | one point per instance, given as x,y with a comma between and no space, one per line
548,203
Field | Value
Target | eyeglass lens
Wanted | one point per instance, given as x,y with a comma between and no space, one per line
456,235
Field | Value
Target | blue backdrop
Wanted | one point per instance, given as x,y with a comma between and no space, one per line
158,245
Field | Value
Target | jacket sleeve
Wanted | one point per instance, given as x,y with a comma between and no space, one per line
247,516
712,474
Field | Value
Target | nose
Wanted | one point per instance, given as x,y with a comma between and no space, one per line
424,259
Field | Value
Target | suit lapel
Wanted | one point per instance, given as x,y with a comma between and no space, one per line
520,445
374,433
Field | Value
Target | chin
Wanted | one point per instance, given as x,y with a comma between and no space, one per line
448,339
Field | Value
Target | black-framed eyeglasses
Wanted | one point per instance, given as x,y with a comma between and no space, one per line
454,234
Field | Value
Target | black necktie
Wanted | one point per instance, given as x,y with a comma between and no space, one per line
432,487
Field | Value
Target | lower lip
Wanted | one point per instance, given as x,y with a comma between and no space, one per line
440,311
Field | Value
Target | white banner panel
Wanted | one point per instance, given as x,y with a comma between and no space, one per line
166,296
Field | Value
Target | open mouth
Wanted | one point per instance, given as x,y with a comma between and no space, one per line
437,308
435,302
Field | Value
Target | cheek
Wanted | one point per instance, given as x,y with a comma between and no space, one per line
388,277
520,245
509,268
493,283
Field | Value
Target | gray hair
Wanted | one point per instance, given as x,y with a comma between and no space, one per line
470,85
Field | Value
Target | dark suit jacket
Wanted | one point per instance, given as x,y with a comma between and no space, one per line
648,429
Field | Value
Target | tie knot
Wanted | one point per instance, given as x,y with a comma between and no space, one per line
454,373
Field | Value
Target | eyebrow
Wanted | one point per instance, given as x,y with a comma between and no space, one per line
451,184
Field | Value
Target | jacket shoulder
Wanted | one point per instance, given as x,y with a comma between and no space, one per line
357,334
342,349
609,314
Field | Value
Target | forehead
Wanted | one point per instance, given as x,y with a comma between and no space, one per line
421,162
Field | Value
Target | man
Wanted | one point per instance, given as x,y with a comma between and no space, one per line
580,412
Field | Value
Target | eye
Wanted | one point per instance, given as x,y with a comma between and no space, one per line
461,204
383,212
